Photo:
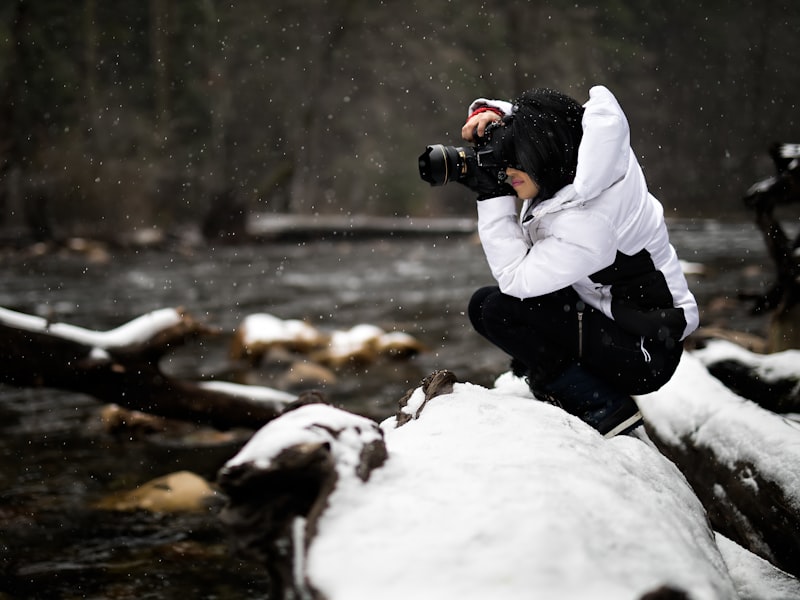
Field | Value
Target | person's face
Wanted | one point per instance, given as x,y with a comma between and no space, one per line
525,187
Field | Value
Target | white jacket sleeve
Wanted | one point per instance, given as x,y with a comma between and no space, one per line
579,244
605,147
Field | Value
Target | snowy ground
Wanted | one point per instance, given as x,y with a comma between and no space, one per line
490,494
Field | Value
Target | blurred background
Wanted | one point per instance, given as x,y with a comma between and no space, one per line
117,117
188,122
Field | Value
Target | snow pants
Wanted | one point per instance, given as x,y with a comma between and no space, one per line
548,333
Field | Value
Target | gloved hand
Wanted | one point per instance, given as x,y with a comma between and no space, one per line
487,184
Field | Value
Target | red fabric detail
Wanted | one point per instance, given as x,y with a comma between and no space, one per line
483,109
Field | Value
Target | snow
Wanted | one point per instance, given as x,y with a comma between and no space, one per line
251,392
343,431
692,268
267,328
693,401
754,577
552,499
137,331
415,403
488,493
770,367
347,342
362,341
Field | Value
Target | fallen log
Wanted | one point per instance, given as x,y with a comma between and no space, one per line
121,366
770,380
480,494
278,486
741,460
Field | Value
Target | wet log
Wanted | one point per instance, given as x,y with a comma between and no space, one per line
121,366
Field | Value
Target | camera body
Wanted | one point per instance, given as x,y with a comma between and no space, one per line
441,164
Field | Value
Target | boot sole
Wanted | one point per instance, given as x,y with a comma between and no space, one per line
625,426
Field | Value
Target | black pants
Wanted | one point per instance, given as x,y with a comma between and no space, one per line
549,333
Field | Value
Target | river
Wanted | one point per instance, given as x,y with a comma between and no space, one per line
56,460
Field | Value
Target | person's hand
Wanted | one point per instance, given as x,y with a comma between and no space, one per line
486,184
478,121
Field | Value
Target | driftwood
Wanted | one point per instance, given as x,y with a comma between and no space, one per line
121,366
782,300
435,384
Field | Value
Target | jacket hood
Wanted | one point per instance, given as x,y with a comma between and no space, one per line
603,156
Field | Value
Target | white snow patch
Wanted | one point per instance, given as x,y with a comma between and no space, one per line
134,332
694,401
492,495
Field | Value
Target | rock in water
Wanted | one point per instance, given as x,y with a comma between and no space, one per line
177,492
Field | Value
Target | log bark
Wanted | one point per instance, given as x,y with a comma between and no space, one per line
766,379
781,395
124,369
746,505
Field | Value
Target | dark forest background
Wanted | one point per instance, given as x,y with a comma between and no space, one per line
117,116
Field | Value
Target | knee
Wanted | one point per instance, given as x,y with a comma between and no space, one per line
475,310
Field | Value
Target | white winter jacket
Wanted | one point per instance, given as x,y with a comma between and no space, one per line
604,234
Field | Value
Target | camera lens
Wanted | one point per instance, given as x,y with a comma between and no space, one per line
441,164
433,165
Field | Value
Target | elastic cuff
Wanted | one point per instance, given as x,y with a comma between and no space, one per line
483,109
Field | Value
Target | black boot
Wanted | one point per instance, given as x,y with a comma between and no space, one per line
594,401
518,368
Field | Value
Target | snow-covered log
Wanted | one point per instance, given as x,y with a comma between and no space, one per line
486,493
742,461
770,380
121,366
279,484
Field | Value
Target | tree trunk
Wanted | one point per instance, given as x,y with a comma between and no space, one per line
11,158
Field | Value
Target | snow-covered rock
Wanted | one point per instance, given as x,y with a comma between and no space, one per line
361,344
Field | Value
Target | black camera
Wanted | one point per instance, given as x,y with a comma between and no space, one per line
441,164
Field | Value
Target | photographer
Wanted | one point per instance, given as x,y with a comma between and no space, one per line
590,302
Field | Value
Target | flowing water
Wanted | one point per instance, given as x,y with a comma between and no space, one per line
56,462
